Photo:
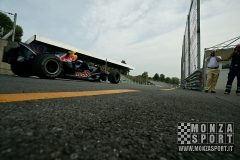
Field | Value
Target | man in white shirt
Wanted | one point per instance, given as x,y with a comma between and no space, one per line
212,71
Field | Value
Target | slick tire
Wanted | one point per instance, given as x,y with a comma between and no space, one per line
47,66
21,69
114,77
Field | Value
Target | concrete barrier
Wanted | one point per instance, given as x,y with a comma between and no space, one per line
4,67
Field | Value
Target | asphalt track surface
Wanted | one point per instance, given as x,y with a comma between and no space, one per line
141,124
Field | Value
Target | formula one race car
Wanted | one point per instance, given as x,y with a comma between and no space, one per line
32,60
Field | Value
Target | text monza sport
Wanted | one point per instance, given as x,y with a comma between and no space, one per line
212,133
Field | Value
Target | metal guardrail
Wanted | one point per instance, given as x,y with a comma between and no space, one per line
194,81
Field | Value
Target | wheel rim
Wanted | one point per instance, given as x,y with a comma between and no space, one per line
51,66
117,77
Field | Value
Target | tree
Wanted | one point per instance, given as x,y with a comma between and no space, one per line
138,79
168,80
18,33
175,80
123,61
7,24
162,77
145,77
156,77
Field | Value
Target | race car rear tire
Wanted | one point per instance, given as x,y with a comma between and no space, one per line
21,69
47,66
114,77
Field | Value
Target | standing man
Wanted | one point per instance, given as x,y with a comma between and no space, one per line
212,71
234,70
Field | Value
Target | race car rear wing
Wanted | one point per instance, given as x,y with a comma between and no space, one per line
10,51
13,50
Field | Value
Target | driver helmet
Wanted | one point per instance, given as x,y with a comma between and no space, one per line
71,52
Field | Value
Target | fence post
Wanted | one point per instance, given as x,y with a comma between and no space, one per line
204,68
189,58
198,33
14,27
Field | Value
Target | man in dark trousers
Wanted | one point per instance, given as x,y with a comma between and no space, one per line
234,70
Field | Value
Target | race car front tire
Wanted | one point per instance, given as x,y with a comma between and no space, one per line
21,69
47,66
114,77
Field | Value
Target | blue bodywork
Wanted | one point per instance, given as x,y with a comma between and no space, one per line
34,60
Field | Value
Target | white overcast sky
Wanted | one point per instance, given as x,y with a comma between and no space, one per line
147,34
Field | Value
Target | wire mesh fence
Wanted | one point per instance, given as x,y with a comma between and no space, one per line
191,41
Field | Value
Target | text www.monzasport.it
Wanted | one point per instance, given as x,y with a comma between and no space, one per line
206,148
